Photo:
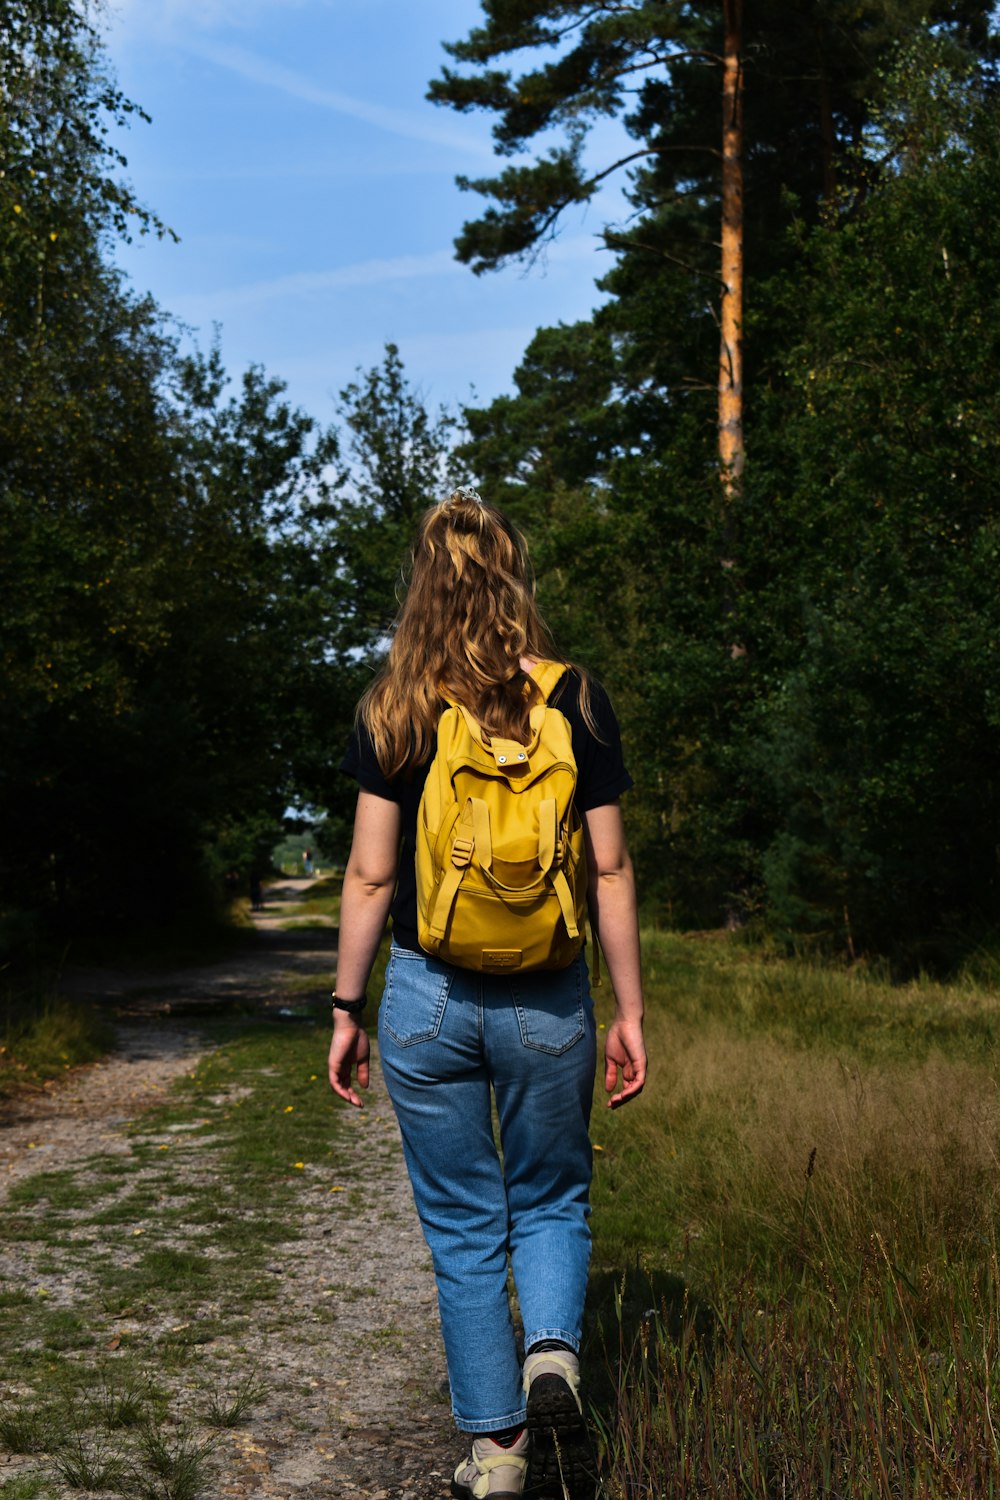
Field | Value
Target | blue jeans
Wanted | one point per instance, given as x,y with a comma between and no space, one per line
446,1037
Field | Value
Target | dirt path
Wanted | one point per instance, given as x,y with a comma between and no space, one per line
355,1408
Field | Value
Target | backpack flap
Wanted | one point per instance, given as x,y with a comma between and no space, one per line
510,757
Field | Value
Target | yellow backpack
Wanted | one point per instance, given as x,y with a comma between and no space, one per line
501,868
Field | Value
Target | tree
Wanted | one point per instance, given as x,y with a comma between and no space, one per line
168,639
397,459
611,45
731,446
606,447
801,77
61,188
872,543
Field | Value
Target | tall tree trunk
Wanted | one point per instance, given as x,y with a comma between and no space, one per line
731,453
731,449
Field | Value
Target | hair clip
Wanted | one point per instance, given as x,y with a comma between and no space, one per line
466,492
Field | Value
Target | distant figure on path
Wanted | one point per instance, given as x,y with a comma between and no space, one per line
472,665
256,892
307,863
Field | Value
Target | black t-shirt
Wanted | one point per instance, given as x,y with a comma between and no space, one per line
600,770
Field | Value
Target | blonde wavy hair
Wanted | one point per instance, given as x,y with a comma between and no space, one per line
468,618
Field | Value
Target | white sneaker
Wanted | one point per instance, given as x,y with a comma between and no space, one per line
493,1471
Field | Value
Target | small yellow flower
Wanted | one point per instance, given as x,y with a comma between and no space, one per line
298,1164
289,1108
338,1190
164,1148
17,208
138,1231
313,1077
597,1147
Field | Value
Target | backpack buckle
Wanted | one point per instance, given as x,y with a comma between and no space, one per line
461,852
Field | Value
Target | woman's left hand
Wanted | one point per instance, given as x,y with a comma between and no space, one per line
350,1049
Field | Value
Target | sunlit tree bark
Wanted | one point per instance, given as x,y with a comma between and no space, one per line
731,446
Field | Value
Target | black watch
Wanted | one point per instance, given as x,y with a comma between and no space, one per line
353,1007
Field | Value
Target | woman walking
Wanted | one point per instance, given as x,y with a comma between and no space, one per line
451,1038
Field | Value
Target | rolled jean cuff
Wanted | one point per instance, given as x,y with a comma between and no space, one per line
562,1334
493,1424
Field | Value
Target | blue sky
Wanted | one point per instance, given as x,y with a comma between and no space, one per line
312,185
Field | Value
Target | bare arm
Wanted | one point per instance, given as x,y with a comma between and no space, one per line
369,882
614,912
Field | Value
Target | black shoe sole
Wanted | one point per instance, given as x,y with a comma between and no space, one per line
561,1464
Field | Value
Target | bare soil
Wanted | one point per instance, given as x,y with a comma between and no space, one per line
355,1404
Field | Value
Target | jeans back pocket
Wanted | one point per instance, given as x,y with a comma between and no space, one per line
415,995
550,1006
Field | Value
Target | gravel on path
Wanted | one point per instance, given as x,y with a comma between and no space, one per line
356,1405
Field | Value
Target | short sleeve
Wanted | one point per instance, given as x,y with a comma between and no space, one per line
601,773
361,762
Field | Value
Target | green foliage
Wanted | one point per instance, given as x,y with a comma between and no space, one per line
807,680
397,465
872,547
196,579
171,626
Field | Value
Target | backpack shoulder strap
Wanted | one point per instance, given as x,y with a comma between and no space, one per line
547,675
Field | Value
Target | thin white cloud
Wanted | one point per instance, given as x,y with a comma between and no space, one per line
200,306
340,168
185,24
451,367
374,272
410,126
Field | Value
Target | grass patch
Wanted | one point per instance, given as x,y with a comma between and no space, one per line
808,1200
90,1463
173,1468
233,1406
751,990
26,1486
122,1400
23,1430
42,1037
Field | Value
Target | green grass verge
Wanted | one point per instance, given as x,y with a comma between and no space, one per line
795,1233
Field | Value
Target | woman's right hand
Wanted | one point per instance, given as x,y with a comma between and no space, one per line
350,1050
624,1050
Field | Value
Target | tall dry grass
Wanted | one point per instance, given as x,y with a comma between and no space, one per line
810,1189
